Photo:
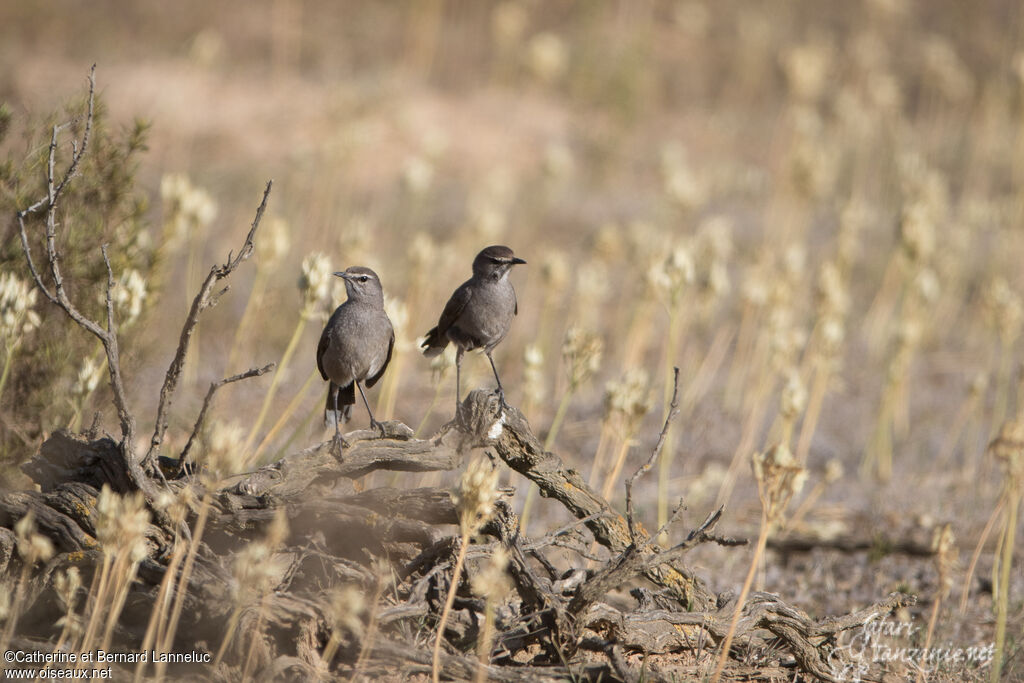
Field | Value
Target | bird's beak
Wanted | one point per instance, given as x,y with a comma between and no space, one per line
342,274
517,260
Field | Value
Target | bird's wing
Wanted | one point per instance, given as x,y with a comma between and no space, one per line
453,309
370,381
321,349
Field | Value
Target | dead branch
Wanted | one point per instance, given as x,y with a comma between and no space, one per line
200,303
673,412
214,386
508,432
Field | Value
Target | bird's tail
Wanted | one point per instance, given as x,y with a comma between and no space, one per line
434,343
346,399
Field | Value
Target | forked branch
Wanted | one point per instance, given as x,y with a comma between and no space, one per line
204,299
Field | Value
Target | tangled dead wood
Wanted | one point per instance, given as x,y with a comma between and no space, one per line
392,544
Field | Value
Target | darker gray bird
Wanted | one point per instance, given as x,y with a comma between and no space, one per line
355,346
479,313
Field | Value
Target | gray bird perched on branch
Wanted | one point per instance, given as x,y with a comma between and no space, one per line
478,314
355,346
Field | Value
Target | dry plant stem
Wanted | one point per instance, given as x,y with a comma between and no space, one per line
166,643
282,365
810,423
124,571
956,429
257,633
229,634
620,460
96,605
156,617
429,411
204,299
754,419
977,551
289,410
483,650
931,631
740,363
371,631
1013,496
449,601
15,610
762,539
602,445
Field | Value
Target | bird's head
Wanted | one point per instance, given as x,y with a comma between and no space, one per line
495,262
362,284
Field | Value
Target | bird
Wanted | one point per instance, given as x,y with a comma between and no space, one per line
355,347
478,314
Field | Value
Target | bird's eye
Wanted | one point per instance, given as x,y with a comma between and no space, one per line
364,278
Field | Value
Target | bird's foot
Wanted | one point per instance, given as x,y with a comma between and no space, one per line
379,428
501,398
338,443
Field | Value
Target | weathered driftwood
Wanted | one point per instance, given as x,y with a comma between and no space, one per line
338,531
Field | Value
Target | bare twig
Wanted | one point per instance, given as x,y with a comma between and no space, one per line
214,386
201,302
673,412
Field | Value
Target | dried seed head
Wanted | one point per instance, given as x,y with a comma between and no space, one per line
128,296
344,607
669,276
32,546
422,251
831,290
188,208
477,494
441,363
779,477
17,318
628,399
223,455
917,231
88,377
794,396
1009,448
807,69
66,584
492,582
833,471
608,244
398,312
944,547
315,282
254,571
581,352
121,523
1004,310
547,57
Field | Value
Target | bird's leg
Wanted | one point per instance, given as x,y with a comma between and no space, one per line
458,377
500,391
377,426
339,440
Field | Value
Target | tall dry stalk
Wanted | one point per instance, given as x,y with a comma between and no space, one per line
475,505
626,402
779,477
315,288
581,357
493,584
1009,449
33,547
943,545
